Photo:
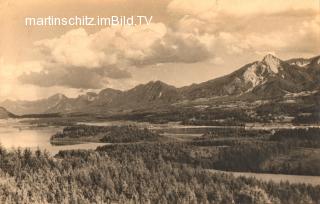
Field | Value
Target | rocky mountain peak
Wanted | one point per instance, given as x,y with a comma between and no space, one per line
272,62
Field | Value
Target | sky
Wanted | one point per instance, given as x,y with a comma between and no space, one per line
188,41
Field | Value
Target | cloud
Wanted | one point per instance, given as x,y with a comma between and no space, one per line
207,8
175,48
9,85
191,7
257,16
81,60
73,77
230,28
73,48
138,45
304,38
293,40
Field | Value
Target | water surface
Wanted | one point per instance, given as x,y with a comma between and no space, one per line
14,134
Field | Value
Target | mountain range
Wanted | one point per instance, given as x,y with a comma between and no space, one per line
266,79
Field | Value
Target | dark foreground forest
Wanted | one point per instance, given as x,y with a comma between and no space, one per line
137,174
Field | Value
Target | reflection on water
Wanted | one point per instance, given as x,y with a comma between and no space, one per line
14,134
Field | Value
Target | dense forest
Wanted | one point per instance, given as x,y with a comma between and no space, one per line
231,149
228,155
308,134
106,134
304,138
108,177
190,116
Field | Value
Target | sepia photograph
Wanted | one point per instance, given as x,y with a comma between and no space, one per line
159,102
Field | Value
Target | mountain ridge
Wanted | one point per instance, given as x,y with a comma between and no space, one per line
5,114
267,78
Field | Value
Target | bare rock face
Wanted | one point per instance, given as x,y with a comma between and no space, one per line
272,62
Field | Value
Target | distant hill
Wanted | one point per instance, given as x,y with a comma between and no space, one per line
33,107
266,79
4,114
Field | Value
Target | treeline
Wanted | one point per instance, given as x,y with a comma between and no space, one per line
265,157
223,149
236,132
262,157
129,134
98,177
190,116
110,134
313,118
297,134
227,155
308,137
78,131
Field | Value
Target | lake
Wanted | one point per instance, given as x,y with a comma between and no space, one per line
14,134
